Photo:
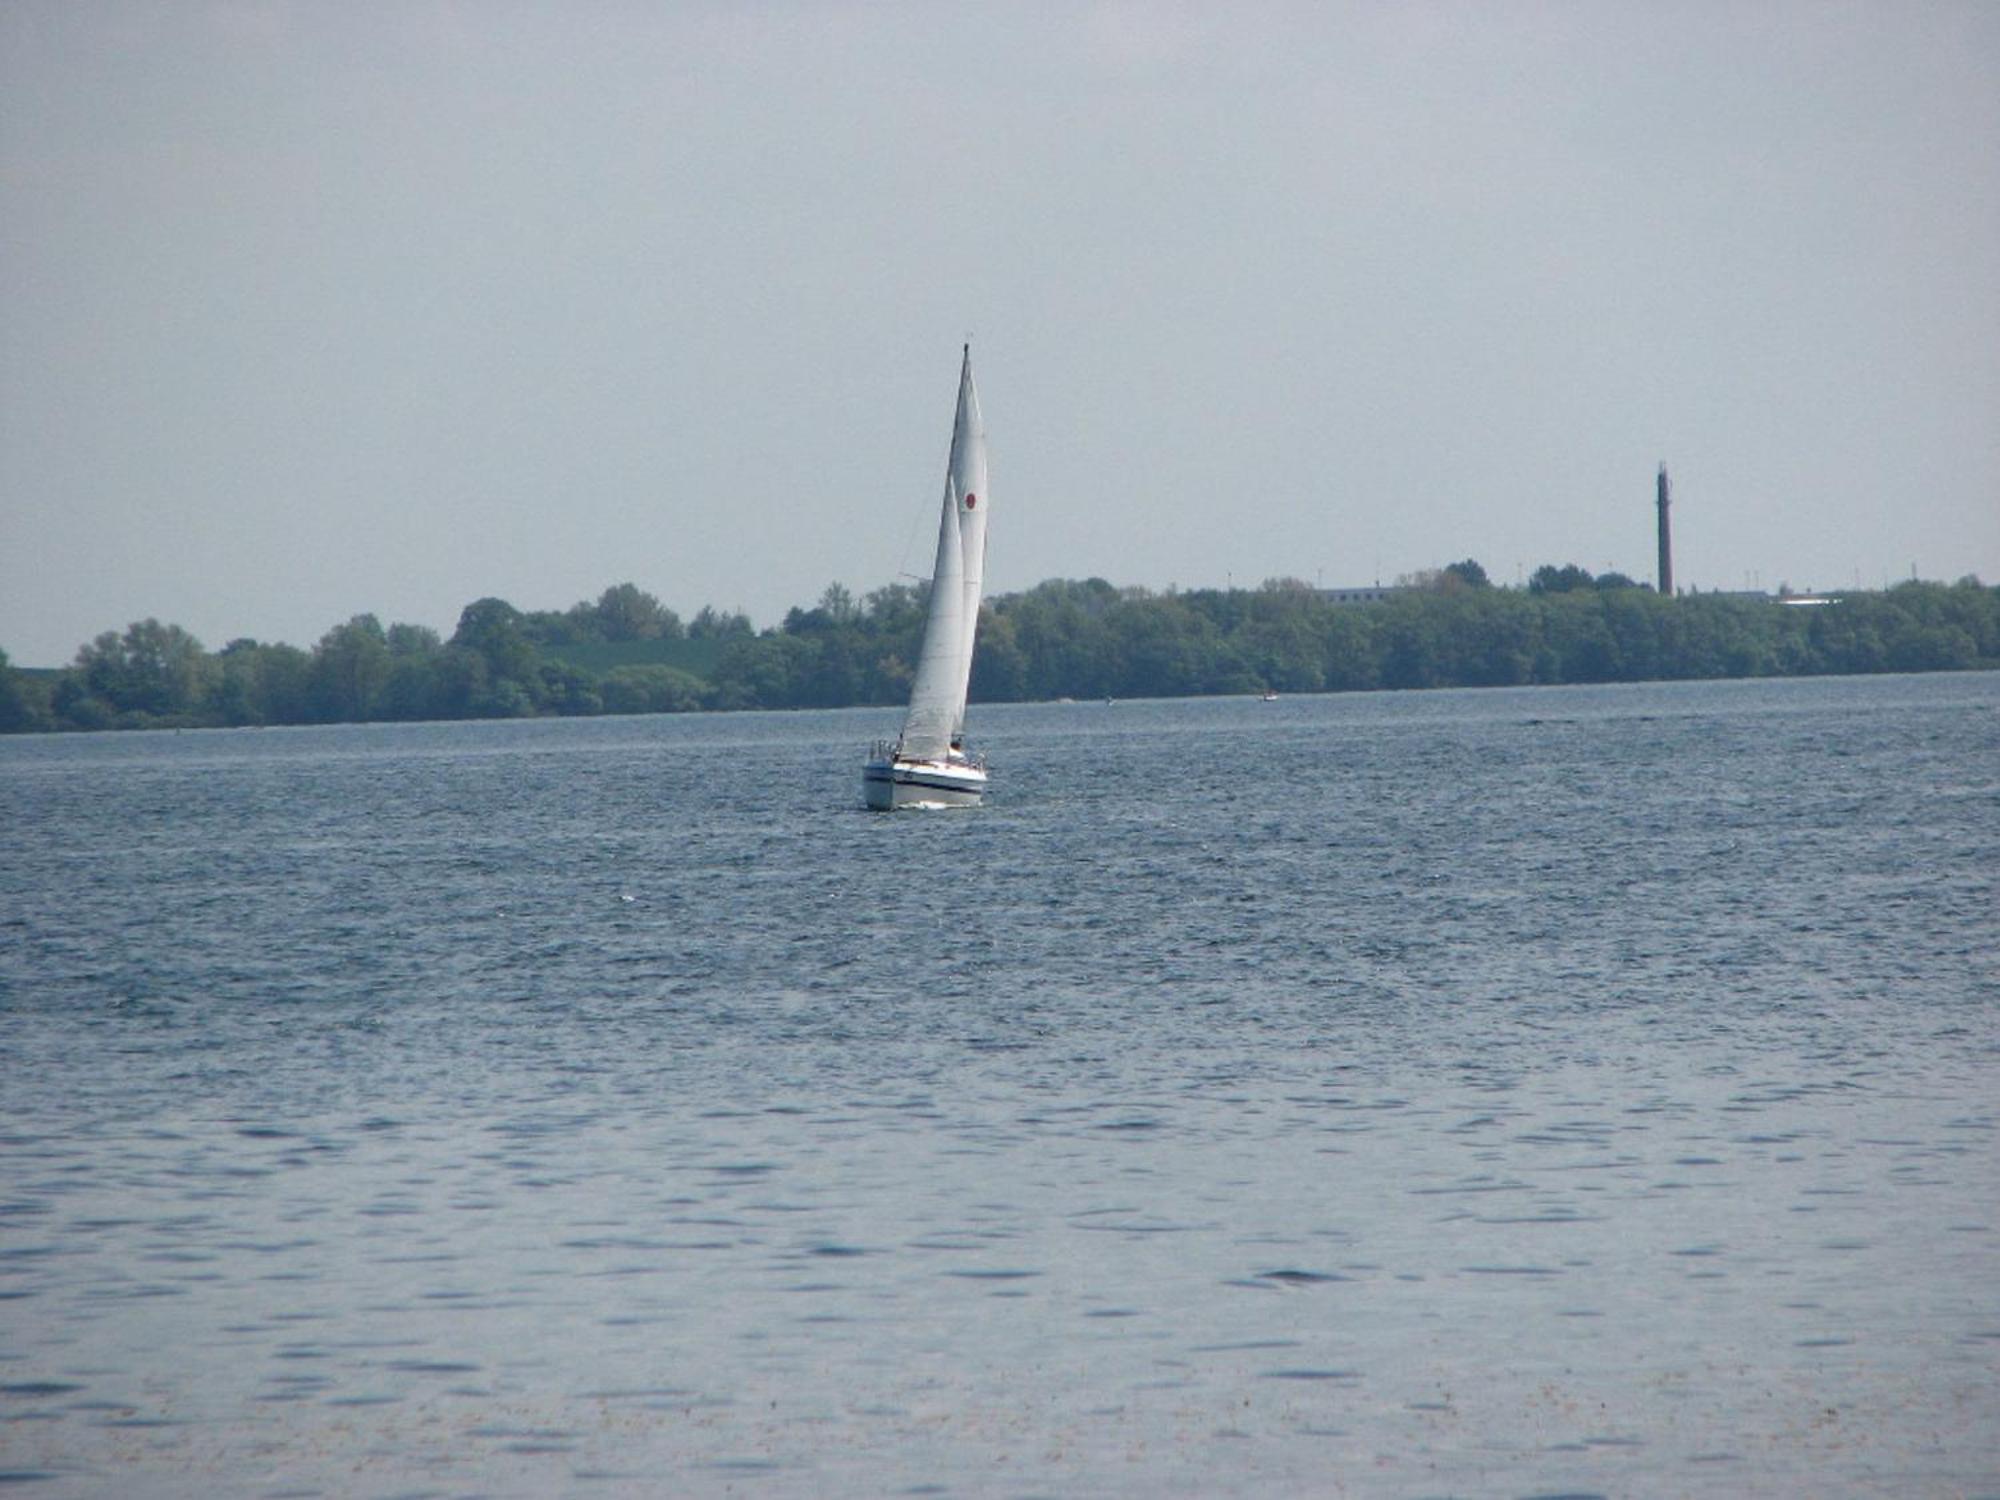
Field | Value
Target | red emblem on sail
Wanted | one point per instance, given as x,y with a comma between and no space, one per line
970,501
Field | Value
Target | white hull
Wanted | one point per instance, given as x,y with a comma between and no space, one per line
891,783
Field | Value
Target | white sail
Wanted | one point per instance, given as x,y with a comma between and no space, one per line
968,477
936,719
937,697
928,765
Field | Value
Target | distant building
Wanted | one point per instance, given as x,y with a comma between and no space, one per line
1784,595
1372,594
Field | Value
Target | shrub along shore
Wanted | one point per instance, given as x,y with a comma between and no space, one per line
626,653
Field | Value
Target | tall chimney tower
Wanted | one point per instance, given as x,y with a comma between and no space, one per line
1666,540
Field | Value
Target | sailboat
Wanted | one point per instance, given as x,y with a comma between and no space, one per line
927,765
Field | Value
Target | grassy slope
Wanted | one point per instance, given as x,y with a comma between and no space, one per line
599,657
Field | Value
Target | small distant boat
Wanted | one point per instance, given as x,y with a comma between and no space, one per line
928,765
1270,695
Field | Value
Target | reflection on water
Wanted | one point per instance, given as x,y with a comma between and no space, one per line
1554,1091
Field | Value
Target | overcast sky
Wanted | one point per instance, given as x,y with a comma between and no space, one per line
316,309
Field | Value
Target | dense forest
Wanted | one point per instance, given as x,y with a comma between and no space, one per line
626,653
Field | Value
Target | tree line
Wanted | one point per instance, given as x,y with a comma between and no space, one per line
627,653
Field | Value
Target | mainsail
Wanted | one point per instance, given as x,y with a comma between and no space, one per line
968,475
944,667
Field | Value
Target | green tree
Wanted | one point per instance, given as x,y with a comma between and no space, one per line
236,697
1550,579
1580,646
1490,637
350,665
418,641
1468,573
464,684
152,670
1633,616
567,690
412,688
76,707
1281,648
492,630
1160,648
284,680
838,604
999,668
764,671
894,608
411,691
625,612
24,703
1410,641
1059,627
651,689
712,624
1349,652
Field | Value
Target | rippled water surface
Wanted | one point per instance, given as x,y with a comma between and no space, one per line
1556,1091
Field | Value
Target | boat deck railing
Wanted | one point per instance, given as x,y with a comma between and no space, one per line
889,750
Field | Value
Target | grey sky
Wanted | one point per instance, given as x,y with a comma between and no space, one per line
311,309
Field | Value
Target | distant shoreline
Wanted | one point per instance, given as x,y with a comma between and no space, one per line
1084,640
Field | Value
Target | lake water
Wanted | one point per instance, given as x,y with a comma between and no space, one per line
1585,1091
